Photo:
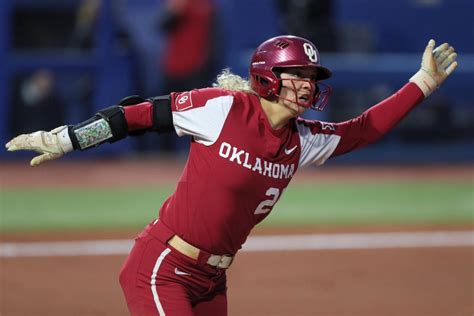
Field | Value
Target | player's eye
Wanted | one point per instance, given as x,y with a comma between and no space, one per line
293,75
299,74
305,75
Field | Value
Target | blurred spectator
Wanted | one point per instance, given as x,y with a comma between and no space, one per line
312,19
36,103
85,24
191,56
190,59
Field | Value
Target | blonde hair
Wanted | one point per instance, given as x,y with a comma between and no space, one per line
230,81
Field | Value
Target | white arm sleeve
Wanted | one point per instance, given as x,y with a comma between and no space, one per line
204,123
315,147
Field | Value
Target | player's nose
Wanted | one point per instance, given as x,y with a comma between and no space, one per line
307,85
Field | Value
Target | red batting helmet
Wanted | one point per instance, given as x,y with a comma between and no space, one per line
285,52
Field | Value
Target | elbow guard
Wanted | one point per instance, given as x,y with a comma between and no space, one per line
162,117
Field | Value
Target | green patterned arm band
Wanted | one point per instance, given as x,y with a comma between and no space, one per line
108,125
93,134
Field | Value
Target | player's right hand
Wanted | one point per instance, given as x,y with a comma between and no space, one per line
51,145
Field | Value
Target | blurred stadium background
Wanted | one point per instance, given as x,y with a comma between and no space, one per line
62,60
89,54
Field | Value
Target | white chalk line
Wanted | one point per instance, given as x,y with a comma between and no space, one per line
256,243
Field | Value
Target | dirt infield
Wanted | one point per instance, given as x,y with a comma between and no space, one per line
419,281
436,281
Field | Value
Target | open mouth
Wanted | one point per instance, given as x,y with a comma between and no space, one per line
304,99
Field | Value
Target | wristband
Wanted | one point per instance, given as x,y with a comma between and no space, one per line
94,133
64,139
424,81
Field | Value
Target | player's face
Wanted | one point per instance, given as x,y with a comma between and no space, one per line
298,86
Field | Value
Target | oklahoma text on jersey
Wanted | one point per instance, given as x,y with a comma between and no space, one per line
256,164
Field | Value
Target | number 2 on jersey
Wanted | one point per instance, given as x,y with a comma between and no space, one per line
266,205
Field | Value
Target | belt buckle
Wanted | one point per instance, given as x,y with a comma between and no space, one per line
222,262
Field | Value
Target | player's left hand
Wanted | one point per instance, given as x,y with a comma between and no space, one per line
440,62
436,65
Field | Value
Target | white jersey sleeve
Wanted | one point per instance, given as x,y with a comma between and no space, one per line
201,113
318,141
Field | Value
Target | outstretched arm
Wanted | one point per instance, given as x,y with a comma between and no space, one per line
132,116
437,64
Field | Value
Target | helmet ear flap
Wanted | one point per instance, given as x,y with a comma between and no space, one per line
264,82
265,86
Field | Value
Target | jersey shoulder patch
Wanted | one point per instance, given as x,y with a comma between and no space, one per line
183,101
201,114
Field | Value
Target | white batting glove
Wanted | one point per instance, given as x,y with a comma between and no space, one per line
436,66
50,145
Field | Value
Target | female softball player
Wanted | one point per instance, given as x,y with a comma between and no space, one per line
247,143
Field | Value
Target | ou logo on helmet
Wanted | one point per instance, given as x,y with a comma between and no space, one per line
310,51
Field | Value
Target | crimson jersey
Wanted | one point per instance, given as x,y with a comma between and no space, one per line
238,166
